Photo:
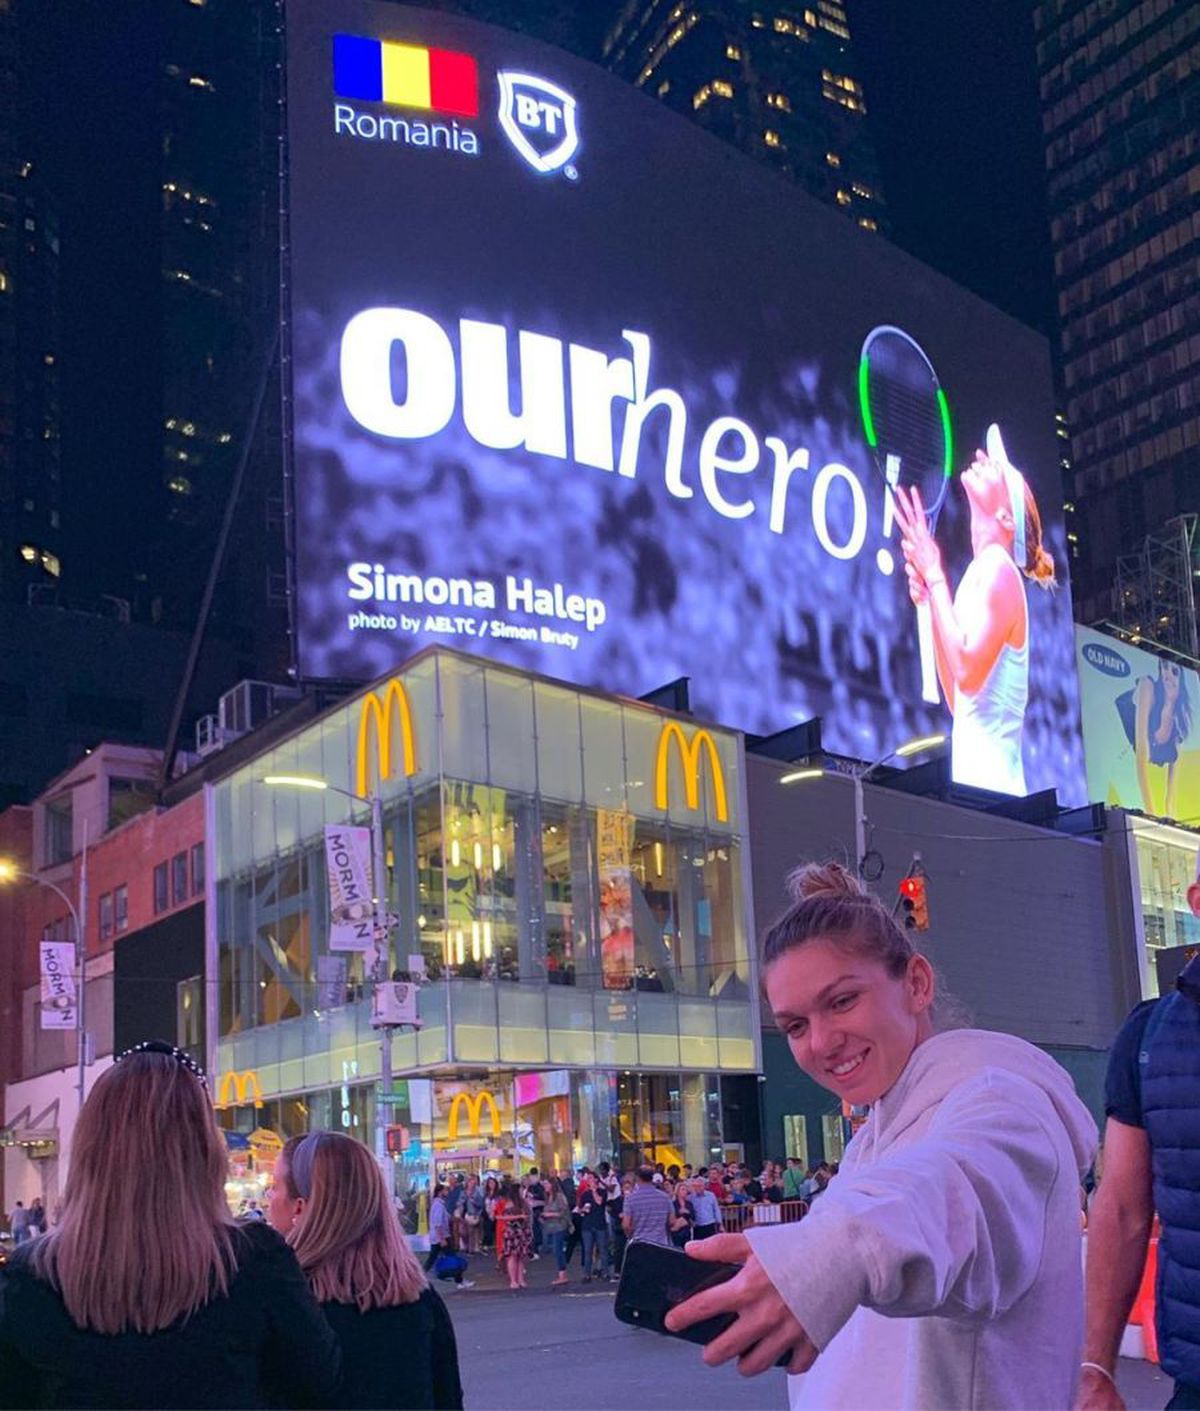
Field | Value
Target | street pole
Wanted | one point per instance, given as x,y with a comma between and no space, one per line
860,824
383,1101
81,962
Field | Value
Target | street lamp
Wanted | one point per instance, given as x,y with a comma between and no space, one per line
860,774
10,872
383,1104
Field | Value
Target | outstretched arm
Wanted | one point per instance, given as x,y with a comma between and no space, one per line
971,633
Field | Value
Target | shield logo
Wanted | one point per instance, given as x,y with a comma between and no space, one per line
539,119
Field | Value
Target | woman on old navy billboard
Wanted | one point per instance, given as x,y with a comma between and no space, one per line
982,633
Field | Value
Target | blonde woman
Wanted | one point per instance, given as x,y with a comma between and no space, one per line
146,1293
331,1204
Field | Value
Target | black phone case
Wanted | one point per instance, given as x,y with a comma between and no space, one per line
654,1278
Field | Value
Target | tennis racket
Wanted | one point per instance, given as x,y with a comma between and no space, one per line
907,426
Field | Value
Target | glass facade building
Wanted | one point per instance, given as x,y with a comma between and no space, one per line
1166,867
566,871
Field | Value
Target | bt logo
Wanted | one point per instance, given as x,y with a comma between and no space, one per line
540,120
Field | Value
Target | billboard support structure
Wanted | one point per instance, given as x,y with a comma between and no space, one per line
218,560
1156,596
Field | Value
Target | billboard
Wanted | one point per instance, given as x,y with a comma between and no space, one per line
575,386
1141,728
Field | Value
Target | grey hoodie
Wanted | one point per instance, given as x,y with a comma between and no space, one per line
942,1267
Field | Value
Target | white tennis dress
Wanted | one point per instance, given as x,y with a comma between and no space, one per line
985,744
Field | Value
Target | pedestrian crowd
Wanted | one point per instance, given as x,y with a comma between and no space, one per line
594,1212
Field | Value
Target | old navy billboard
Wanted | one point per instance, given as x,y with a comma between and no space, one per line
575,386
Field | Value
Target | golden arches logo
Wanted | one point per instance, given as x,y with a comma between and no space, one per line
473,1106
690,758
236,1089
378,711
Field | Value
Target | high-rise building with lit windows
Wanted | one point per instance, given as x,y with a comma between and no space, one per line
779,82
1120,88
219,88
30,483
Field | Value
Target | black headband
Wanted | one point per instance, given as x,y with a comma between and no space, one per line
185,1060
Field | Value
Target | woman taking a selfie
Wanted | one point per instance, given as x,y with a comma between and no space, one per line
941,1268
146,1293
331,1204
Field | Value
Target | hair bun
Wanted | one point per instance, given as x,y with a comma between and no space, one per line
822,879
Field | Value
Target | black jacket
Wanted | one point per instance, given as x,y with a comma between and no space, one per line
398,1359
264,1343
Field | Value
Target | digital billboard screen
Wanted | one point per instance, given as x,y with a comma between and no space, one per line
1141,727
576,386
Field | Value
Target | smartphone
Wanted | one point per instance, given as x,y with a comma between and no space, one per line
656,1277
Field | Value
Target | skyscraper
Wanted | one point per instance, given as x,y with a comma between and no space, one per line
30,483
1120,88
778,83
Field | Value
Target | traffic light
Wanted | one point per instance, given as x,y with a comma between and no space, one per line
915,902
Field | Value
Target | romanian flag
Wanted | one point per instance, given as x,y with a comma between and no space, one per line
375,71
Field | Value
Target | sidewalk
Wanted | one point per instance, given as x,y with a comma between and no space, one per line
539,1275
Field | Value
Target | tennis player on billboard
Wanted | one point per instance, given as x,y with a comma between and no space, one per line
981,632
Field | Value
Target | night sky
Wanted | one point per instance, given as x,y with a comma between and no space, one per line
951,90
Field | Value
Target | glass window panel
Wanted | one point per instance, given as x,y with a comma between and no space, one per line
658,1030
473,1007
510,719
522,1016
560,767
464,720
572,1038
603,752
616,1028
698,1034
735,1033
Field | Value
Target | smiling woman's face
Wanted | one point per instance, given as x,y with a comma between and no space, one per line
851,1026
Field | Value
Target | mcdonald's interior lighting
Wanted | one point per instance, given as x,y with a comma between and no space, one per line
296,781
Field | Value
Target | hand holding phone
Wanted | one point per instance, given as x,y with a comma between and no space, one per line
716,1294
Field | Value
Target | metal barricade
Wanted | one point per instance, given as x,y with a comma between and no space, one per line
736,1218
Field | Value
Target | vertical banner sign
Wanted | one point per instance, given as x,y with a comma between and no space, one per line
59,1005
614,830
348,860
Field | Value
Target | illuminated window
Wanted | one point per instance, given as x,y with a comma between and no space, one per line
810,18
196,81
48,359
224,438
26,169
732,51
784,26
180,485
833,159
722,89
664,88
780,101
188,428
4,284
864,191
772,138
701,96
29,553
51,564
843,198
757,22
867,223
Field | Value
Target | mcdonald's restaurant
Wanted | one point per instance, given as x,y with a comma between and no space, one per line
567,907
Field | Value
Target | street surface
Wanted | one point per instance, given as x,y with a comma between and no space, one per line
546,1349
